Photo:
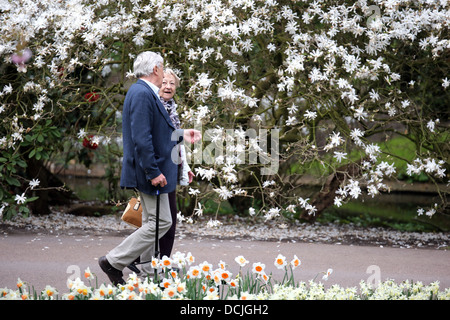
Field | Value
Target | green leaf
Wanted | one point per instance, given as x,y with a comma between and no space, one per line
31,199
22,163
56,133
12,181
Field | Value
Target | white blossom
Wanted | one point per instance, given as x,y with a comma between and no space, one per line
82,134
20,199
271,47
213,223
318,70
34,183
272,213
198,210
340,156
224,192
310,115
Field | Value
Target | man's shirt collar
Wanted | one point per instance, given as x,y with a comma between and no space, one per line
154,88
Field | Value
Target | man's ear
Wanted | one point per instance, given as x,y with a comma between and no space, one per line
157,70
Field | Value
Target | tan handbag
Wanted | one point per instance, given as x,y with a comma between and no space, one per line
133,213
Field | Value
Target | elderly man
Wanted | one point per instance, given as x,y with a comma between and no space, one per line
148,140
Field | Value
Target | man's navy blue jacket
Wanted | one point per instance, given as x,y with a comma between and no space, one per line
149,138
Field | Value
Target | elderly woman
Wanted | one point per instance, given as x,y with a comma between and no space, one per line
169,85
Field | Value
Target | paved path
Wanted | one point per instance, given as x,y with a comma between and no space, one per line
42,259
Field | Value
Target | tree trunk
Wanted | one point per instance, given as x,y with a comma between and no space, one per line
51,189
325,197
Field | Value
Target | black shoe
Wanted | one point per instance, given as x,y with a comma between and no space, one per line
133,268
114,275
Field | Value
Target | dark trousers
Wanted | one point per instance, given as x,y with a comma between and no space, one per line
166,242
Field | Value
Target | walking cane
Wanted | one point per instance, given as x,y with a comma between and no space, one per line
133,265
156,255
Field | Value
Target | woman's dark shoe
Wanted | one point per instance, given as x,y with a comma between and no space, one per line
133,268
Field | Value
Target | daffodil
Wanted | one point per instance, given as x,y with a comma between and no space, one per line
246,296
234,283
88,274
170,292
263,276
205,267
166,262
327,274
181,287
222,265
258,267
155,263
49,293
190,258
225,275
211,295
179,259
241,261
280,261
165,283
295,262
19,283
194,272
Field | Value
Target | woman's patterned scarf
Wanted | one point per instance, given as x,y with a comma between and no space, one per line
171,108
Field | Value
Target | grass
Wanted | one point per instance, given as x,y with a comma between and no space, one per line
397,150
399,216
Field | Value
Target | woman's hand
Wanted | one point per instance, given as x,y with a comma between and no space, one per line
192,135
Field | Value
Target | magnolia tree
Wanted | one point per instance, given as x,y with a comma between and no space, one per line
280,89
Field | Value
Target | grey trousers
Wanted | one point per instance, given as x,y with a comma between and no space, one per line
141,243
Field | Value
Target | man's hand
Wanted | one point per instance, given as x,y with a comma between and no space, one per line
192,135
159,181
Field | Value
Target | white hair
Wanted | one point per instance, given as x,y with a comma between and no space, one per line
145,63
174,75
